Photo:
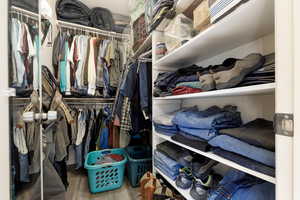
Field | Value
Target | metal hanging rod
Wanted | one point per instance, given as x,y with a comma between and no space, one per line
73,26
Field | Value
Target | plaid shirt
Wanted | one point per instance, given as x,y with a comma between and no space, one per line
126,120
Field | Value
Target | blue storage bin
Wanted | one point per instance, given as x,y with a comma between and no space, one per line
139,162
106,176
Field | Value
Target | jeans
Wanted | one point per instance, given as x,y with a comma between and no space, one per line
259,132
172,165
246,162
211,118
237,185
191,141
177,153
130,82
24,167
205,134
144,84
164,170
236,146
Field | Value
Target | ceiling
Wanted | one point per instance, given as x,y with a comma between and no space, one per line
115,6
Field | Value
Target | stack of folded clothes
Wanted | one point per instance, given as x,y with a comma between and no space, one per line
166,165
182,81
160,10
163,124
233,72
251,145
176,153
264,75
206,123
237,185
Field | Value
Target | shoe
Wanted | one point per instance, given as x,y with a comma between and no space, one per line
184,179
144,180
150,188
232,75
200,188
202,169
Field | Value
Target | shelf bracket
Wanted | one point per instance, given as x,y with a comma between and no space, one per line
284,124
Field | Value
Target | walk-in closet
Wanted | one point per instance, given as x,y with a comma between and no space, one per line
149,100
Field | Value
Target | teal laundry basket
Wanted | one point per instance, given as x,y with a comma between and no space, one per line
105,177
139,162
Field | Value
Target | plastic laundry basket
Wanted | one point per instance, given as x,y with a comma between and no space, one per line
139,162
106,176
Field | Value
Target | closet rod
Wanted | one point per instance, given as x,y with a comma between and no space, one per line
73,26
21,10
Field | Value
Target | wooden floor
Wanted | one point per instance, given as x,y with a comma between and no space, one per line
78,190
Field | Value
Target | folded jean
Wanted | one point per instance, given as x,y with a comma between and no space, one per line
259,132
172,127
205,134
165,171
191,141
185,90
169,163
237,185
211,118
246,162
236,146
177,153
167,132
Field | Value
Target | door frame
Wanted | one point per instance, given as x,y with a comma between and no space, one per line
296,51
4,105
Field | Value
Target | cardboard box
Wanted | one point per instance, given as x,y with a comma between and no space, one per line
202,16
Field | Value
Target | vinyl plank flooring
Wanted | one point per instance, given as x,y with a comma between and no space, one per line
79,190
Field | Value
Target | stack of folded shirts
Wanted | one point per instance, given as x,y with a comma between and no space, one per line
159,12
264,75
205,124
182,81
251,145
166,165
163,124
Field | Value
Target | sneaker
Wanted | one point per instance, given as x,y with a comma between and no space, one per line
184,179
200,188
231,76
202,169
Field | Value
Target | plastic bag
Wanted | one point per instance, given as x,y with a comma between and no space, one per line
179,30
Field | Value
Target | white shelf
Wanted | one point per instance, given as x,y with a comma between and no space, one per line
221,160
247,23
240,91
184,193
146,44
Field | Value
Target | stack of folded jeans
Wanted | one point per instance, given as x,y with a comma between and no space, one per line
264,75
163,124
177,153
166,165
205,124
251,145
237,185
166,82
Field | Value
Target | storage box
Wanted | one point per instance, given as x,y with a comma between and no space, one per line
202,16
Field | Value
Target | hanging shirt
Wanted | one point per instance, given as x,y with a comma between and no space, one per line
17,60
63,69
92,69
36,74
